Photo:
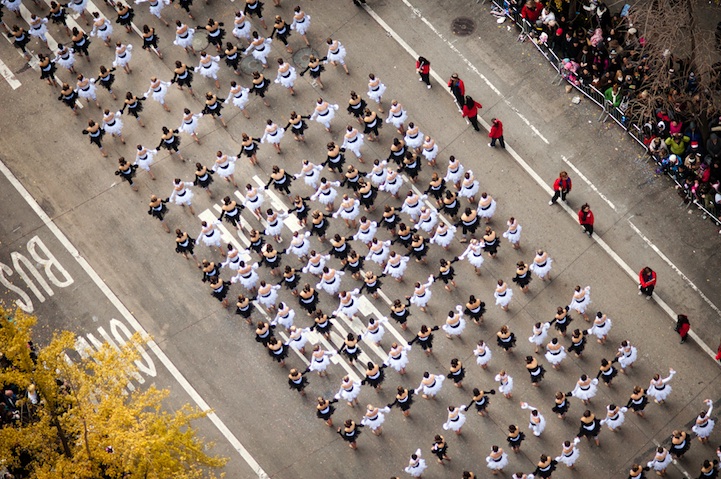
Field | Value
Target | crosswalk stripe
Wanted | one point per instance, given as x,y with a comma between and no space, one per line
8,75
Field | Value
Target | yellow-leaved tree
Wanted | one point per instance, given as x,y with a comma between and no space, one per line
65,416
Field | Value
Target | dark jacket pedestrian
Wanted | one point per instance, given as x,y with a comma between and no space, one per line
470,111
561,187
496,133
683,327
585,219
458,89
423,67
646,282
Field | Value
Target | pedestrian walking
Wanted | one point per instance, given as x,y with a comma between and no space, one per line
515,438
660,461
585,389
81,42
156,7
535,370
185,244
590,427
483,354
404,400
536,421
659,389
184,37
58,15
505,384
150,41
297,381
601,326
301,24
578,342
541,265
580,301
324,113
522,278
480,401
615,417
586,219
646,282
349,391
134,106
440,449
540,333
470,111
562,320
606,371
456,419
431,385
144,159
569,453
683,327
503,295
545,467
86,89
416,464
324,410
350,430
39,29
336,55
113,124
680,444
375,90
125,16
157,209
95,132
106,80
561,404
158,89
374,418
638,400
555,353
254,8
561,188
423,68
102,28
126,171
496,133
458,89
627,354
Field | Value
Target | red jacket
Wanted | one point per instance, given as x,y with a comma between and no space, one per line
585,218
564,185
496,130
425,68
471,111
532,14
457,85
647,281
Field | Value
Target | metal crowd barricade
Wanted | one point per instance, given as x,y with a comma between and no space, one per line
589,91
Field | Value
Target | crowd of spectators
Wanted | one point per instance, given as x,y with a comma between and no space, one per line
604,51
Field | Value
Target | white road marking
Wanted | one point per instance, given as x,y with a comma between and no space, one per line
455,50
530,171
588,182
9,76
291,221
133,322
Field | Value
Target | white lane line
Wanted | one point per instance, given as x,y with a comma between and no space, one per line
128,316
455,50
674,267
588,182
8,75
544,186
364,305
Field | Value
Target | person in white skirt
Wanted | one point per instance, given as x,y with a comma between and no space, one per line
585,389
241,26
430,150
326,193
627,354
272,134
316,263
393,182
367,230
123,54
299,245
376,90
615,416
348,304
298,338
569,453
580,301
324,113
232,259
156,7
239,95
190,123
182,195
454,172
378,172
660,461
260,48
503,295
353,141
247,276
455,323
336,54
38,29
397,116
443,235
483,354
102,28
505,384
378,253
513,233
416,464
413,137
184,37
704,424
158,89
427,220
474,255
374,418
310,173
536,421
375,331
284,316
77,6
144,158
210,235
540,333
253,200
555,353
301,23
274,224
208,67
330,280
320,360
267,295
349,391
225,167
659,389
456,419
496,460
65,57
431,385
286,75
601,326
422,293
469,186
541,265
486,207
113,124
85,87
398,357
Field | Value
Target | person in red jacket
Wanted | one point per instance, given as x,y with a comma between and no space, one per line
683,327
561,187
470,111
531,11
646,282
496,133
423,67
458,89
585,218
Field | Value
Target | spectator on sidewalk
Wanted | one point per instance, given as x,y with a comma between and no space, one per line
585,219
458,89
677,143
561,187
682,327
646,282
530,12
423,67
470,111
496,133
613,95
713,148
718,353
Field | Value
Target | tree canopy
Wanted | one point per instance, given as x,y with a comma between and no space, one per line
67,416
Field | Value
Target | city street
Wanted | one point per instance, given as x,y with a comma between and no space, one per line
78,249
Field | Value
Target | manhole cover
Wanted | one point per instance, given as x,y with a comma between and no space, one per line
200,41
249,65
300,57
463,26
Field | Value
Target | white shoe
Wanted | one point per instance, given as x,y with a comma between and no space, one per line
420,79
640,293
491,146
429,87
550,203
